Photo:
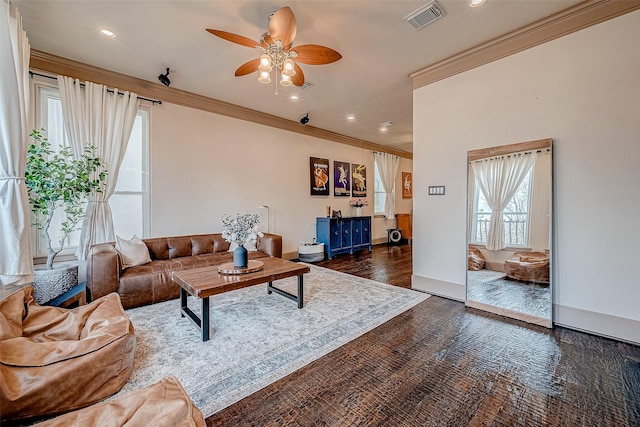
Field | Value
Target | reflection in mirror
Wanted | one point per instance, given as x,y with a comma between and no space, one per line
509,231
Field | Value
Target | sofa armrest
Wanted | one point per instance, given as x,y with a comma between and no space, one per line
270,244
103,271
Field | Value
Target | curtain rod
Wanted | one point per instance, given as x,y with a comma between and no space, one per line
484,159
153,101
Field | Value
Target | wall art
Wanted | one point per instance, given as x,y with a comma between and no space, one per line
319,174
341,179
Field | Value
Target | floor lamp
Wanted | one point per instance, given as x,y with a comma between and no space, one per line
268,216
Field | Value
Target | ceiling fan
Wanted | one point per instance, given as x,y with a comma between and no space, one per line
278,51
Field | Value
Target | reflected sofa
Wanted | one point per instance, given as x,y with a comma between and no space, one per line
151,282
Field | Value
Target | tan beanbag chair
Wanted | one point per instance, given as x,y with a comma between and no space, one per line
53,360
164,403
528,266
475,259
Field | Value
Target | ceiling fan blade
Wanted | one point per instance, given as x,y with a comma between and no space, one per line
282,25
298,78
248,67
314,54
234,38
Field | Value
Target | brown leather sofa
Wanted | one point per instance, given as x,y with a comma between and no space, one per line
54,360
151,283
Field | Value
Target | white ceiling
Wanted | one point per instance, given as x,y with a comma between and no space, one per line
371,81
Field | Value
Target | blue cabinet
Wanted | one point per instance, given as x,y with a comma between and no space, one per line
344,235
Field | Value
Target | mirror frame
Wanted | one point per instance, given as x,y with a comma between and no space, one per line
472,155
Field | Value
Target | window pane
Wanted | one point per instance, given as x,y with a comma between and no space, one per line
130,176
127,214
379,196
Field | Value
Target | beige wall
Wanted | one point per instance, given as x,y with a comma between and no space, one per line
204,165
582,90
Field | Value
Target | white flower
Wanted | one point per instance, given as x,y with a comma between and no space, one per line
242,229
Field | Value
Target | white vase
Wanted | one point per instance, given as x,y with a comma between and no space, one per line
358,211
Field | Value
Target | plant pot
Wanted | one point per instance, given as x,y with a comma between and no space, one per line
358,211
240,258
49,284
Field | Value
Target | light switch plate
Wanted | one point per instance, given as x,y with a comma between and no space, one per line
436,190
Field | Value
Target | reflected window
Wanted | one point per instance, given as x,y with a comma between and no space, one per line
516,216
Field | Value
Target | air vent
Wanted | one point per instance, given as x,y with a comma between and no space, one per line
425,15
306,85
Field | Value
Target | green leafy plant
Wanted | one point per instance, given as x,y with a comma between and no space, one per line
57,180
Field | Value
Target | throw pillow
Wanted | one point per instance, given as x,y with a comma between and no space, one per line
251,247
132,252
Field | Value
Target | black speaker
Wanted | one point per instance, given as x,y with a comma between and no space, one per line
394,236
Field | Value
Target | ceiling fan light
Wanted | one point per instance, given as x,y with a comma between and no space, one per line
265,63
285,80
288,68
264,77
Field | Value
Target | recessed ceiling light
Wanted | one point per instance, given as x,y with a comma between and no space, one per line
294,97
384,129
476,3
351,117
108,33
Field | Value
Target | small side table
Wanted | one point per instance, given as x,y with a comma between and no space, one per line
77,294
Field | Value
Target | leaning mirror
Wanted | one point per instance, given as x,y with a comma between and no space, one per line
509,231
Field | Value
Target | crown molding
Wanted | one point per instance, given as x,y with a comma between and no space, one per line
575,18
52,64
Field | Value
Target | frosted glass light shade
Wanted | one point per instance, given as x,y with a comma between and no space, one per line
288,68
264,77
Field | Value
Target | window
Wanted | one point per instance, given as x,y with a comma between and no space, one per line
516,216
379,195
129,203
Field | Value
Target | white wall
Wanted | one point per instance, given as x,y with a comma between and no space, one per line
582,90
204,165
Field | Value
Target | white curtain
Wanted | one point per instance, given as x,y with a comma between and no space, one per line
16,261
388,169
499,178
94,116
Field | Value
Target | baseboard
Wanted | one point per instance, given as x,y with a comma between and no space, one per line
439,287
290,255
606,325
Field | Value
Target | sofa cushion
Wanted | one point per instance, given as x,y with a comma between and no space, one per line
132,252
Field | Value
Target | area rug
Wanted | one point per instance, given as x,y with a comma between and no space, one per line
258,338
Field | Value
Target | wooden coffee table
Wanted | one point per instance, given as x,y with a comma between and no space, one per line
207,281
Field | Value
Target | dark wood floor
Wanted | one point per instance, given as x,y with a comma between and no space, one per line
442,364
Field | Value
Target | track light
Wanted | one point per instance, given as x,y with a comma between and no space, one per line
305,119
164,78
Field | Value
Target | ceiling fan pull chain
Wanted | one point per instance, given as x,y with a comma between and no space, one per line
276,79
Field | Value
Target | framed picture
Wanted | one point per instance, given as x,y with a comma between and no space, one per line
359,180
341,179
319,176
407,185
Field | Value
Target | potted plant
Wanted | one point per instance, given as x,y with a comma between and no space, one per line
56,180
